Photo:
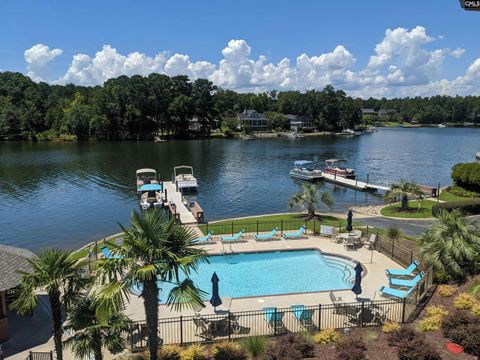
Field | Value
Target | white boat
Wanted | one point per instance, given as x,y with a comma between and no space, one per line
441,126
332,169
151,196
370,129
305,170
477,155
146,176
183,178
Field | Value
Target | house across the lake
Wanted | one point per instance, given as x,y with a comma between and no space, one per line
253,120
12,259
300,123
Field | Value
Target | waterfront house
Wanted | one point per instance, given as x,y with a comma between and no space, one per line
300,123
253,120
368,111
386,112
12,259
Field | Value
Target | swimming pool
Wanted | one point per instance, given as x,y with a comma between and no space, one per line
272,273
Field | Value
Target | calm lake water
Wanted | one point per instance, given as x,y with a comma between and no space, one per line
67,194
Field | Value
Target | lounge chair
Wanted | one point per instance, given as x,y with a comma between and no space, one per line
395,292
108,255
370,243
204,239
407,283
337,303
350,244
303,315
295,235
268,236
274,317
403,272
234,238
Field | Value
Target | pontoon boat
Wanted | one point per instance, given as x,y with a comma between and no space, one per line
332,168
305,170
146,176
183,178
150,196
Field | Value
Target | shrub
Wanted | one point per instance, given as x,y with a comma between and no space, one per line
255,346
467,176
327,336
476,310
468,336
390,327
228,350
464,301
458,191
351,347
405,333
394,233
194,352
446,290
430,323
170,352
417,349
467,207
436,311
292,346
136,356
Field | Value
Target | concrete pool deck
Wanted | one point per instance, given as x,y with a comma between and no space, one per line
374,262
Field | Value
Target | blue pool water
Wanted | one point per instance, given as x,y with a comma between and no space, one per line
271,273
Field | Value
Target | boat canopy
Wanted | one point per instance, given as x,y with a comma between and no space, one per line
335,160
183,169
303,163
151,187
146,171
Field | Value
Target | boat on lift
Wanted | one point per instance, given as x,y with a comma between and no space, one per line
332,168
146,176
184,179
305,170
151,196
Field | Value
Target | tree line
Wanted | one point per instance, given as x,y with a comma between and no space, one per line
141,107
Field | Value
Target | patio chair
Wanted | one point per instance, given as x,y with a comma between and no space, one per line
268,236
395,292
204,239
295,235
328,231
274,317
108,255
403,272
350,243
235,238
370,243
336,301
407,283
202,327
303,315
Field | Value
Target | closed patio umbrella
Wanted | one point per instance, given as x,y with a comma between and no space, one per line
357,287
349,221
215,300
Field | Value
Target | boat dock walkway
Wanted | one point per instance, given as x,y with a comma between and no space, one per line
174,200
354,184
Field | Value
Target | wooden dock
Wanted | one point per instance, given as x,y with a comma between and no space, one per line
354,184
174,202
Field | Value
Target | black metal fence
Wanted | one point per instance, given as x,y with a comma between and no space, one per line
277,321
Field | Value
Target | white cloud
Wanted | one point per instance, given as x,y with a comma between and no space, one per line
403,63
38,57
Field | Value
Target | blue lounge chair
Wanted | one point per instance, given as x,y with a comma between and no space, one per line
269,236
403,272
204,239
233,238
108,255
395,292
273,317
302,314
407,283
295,235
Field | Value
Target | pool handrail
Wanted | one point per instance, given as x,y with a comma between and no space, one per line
403,272
407,283
297,234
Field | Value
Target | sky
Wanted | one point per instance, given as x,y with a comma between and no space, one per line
367,48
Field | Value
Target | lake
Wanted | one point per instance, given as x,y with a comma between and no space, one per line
68,194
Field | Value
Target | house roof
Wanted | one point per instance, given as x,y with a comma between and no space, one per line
12,259
251,114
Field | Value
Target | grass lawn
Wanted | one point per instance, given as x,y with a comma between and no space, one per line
395,210
268,222
445,195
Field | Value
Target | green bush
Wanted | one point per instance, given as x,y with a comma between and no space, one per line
290,347
351,347
467,176
405,333
255,346
467,207
228,350
194,352
417,349
169,352
458,191
327,336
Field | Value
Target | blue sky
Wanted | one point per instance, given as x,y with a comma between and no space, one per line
276,29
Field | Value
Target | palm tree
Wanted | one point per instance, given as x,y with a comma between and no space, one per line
62,277
309,198
451,245
403,190
154,249
92,333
